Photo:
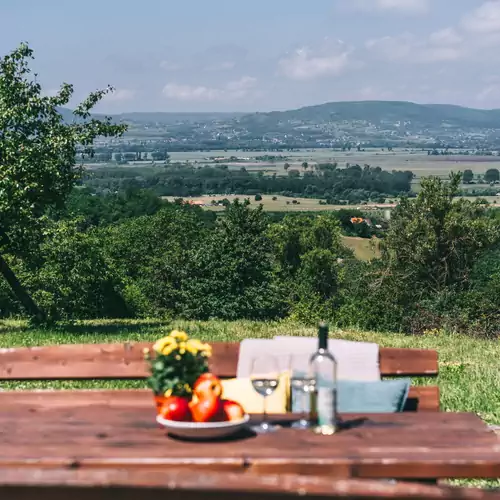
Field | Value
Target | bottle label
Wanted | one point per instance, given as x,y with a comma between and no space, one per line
325,404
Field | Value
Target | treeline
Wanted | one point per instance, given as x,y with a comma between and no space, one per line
439,267
353,184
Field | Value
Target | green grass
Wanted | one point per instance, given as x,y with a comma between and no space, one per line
469,377
363,248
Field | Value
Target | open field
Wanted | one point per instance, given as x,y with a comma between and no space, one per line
281,204
417,161
363,248
468,376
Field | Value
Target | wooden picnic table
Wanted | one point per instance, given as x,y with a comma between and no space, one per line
117,430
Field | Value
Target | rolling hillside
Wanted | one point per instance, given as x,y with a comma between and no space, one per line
380,112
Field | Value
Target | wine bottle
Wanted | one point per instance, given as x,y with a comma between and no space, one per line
324,398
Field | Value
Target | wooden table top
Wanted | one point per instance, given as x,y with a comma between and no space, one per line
117,429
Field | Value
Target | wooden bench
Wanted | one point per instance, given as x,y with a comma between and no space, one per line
126,361
103,484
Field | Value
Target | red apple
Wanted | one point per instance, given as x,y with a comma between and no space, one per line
176,408
233,410
208,409
207,385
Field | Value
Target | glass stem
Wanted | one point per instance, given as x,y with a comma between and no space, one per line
264,418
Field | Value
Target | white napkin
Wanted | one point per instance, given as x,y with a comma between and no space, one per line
355,360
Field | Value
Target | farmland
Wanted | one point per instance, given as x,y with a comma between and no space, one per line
280,163
272,203
418,162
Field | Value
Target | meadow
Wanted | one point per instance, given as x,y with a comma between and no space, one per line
280,204
469,378
418,162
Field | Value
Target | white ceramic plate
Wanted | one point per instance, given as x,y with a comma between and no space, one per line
197,430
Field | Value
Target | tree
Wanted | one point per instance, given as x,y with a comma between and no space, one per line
286,166
258,197
305,165
468,176
433,240
492,175
232,270
38,151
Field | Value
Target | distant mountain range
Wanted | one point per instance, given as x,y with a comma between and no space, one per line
375,112
163,118
379,112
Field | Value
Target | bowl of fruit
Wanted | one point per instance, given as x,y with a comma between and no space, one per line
188,398
205,416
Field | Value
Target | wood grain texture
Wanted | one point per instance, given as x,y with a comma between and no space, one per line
116,429
125,361
85,484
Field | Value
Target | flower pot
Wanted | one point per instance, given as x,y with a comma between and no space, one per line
159,400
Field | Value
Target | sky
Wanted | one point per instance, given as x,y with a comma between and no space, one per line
261,55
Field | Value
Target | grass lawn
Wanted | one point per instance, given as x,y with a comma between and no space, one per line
363,248
469,377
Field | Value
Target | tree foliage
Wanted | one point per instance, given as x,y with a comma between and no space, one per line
38,155
434,240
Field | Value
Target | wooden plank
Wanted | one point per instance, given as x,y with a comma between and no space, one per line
125,361
184,485
109,433
423,398
408,362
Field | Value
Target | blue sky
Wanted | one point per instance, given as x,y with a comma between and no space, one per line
223,55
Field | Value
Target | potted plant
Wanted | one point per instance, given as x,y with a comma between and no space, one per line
176,362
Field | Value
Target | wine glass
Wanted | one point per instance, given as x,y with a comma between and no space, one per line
302,383
265,380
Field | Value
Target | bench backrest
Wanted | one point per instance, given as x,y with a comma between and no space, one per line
126,361
102,484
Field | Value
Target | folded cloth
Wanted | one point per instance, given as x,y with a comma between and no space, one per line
252,348
242,391
355,360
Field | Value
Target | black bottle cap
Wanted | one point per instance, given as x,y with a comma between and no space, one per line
323,336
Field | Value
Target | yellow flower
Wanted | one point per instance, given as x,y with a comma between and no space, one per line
179,335
168,349
192,347
162,343
182,348
187,387
168,393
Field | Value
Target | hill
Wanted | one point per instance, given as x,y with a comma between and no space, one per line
379,113
161,118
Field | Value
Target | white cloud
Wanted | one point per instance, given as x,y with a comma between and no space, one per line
392,48
120,95
488,93
308,64
232,91
441,46
485,19
446,36
399,6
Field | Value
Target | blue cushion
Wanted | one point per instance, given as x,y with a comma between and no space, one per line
384,396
